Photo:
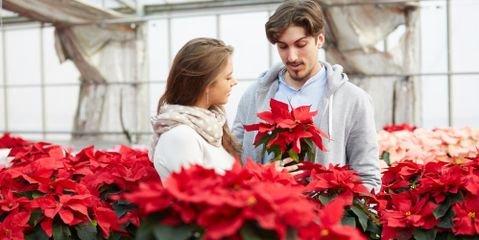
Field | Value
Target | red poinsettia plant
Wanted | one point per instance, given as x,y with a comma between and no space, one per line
250,202
399,127
49,193
436,200
288,133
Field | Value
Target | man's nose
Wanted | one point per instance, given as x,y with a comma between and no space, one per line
292,55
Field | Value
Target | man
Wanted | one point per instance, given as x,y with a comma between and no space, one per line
345,111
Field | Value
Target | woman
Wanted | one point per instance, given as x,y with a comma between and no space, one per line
190,125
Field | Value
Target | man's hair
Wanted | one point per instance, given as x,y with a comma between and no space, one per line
302,13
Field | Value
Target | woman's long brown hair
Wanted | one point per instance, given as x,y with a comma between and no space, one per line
196,66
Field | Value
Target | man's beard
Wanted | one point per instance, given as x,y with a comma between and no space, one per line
295,75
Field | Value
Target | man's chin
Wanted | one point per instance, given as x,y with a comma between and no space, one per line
298,77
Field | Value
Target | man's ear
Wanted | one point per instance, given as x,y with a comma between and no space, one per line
320,40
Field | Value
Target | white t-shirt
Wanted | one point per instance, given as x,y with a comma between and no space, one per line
182,146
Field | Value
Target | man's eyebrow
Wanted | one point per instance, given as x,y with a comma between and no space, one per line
294,41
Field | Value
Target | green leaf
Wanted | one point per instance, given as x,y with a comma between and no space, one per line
350,221
362,217
441,210
37,234
325,199
122,207
421,234
163,232
446,220
251,231
86,231
294,155
386,158
35,217
61,231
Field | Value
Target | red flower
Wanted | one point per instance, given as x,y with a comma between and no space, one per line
107,220
7,141
329,226
402,175
12,227
287,130
150,197
407,210
399,127
440,179
337,180
72,209
466,219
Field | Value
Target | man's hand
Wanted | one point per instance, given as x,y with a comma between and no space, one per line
282,165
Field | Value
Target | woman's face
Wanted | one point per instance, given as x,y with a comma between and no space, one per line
220,89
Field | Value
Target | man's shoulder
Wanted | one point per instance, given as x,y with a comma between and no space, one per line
353,92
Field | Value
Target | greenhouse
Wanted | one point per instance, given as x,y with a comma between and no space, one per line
239,119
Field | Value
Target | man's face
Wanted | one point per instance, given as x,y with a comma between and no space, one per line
299,53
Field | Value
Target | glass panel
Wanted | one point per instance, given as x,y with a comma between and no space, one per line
465,47
158,50
2,111
24,109
466,109
56,72
245,32
156,91
23,56
433,37
434,101
185,29
60,107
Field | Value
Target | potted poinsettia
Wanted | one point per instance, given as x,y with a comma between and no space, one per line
253,201
288,133
46,192
435,200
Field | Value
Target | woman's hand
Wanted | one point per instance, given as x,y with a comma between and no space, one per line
280,165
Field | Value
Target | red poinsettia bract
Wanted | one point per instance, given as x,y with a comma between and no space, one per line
286,129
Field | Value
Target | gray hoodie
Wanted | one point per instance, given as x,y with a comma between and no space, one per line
345,112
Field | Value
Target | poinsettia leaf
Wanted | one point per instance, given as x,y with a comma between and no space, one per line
310,149
35,218
421,234
294,155
252,231
87,231
350,221
446,220
122,207
37,234
362,217
163,232
115,236
61,231
325,199
386,158
441,210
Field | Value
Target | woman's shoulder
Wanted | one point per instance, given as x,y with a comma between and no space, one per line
180,133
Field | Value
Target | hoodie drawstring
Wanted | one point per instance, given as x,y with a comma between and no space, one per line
330,113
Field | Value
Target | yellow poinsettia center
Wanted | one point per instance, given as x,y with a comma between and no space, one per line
459,160
251,200
408,213
472,215
324,232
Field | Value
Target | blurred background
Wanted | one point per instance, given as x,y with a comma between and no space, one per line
91,71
